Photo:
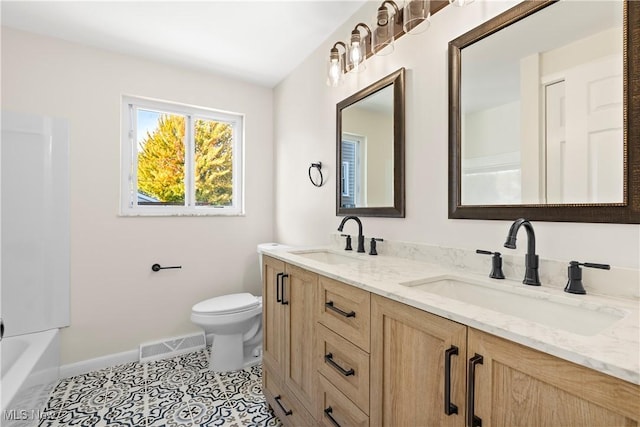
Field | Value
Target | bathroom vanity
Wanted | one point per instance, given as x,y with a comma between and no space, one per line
351,339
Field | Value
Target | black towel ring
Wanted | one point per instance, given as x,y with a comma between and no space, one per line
319,167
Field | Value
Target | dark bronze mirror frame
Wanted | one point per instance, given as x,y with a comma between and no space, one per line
396,79
627,212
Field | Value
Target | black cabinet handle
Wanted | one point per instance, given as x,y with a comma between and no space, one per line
472,419
449,408
286,412
329,304
327,412
283,302
329,359
1,329
278,280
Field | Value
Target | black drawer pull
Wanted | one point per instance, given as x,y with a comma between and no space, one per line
449,408
327,412
472,419
286,412
329,359
278,279
283,302
329,304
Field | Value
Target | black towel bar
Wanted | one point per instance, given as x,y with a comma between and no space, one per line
158,267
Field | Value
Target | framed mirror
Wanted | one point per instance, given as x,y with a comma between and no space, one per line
370,150
543,108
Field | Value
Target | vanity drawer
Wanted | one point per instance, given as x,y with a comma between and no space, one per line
334,409
284,404
345,365
345,310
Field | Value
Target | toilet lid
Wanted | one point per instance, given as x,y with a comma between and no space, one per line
227,304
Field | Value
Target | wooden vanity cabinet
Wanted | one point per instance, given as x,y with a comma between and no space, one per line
409,348
493,381
413,368
519,386
288,348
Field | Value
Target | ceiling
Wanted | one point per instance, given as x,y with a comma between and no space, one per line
256,41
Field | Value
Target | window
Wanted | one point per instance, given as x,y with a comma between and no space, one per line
353,149
180,160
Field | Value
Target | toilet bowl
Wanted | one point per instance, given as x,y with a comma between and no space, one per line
235,321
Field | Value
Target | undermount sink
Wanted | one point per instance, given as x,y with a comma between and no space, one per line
559,312
327,257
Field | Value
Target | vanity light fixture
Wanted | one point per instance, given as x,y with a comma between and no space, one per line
384,31
335,66
460,3
416,16
391,23
357,49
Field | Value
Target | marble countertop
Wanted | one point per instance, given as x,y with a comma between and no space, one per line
614,350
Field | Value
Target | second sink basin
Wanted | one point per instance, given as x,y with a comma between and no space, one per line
551,310
327,257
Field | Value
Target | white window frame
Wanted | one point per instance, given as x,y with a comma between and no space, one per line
128,155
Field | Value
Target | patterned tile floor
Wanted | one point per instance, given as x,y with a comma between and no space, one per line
178,392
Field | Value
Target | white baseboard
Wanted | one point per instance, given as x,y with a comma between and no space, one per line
102,362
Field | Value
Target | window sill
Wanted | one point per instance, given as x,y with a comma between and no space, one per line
179,214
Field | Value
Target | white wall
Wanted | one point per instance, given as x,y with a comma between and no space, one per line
305,132
116,300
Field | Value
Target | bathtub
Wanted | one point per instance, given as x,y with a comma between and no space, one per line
30,368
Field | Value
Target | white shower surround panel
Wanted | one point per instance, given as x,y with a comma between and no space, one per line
35,223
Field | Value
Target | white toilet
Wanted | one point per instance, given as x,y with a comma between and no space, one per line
235,321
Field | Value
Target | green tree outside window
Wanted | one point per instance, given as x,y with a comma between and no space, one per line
161,162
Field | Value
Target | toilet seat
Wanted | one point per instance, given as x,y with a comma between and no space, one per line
227,304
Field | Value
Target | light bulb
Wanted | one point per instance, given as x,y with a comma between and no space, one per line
356,54
334,70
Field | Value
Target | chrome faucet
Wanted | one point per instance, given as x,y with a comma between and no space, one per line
531,259
360,235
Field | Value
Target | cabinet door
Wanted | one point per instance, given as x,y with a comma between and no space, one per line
409,348
272,316
299,299
516,385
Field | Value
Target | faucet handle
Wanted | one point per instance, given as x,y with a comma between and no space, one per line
574,284
348,246
496,263
593,265
372,250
